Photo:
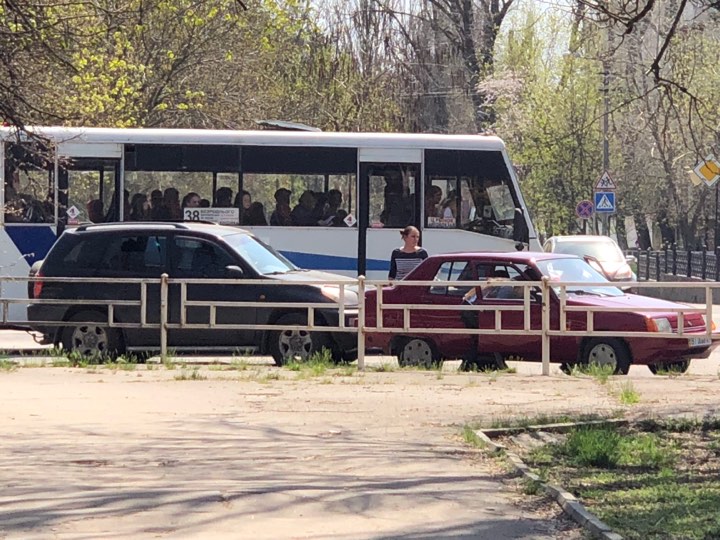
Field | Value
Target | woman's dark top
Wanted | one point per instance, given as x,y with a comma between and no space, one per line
401,263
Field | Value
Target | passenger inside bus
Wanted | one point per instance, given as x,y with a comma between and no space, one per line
397,211
255,215
243,200
191,200
303,214
281,214
112,213
139,208
170,206
95,211
433,196
156,199
223,198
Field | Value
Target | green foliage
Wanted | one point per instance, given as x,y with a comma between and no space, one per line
7,365
593,447
471,438
627,394
599,372
193,375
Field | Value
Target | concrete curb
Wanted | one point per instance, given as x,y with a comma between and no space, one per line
567,501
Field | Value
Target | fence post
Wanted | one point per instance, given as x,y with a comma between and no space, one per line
704,263
647,264
674,264
545,325
163,317
361,323
667,254
689,264
657,266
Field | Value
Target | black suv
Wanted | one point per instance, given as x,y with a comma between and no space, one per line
123,251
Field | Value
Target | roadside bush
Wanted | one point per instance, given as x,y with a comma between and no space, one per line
593,447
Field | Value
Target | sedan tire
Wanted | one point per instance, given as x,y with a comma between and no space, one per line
418,352
607,352
680,366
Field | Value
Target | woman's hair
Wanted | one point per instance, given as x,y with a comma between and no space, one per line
407,230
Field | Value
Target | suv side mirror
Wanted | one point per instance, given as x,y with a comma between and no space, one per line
234,271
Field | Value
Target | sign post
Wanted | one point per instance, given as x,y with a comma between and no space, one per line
605,201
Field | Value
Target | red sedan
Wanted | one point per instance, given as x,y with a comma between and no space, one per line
499,272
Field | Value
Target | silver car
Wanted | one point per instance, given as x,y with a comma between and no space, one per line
601,252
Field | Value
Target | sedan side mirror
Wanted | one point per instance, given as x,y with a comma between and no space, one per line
234,271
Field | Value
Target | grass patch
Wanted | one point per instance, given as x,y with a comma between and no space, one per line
7,365
190,375
317,365
627,394
471,438
382,368
600,373
649,481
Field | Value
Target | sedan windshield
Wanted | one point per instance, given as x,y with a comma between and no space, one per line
261,257
602,250
578,271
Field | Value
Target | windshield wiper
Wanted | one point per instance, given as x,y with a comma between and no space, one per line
583,292
276,273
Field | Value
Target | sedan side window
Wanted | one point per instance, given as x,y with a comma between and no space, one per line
453,271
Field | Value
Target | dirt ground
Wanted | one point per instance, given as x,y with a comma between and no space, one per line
260,452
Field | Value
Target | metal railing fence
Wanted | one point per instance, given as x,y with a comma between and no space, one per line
352,318
700,264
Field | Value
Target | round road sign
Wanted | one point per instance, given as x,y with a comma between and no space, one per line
585,209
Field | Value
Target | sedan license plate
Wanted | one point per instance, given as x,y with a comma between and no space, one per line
699,341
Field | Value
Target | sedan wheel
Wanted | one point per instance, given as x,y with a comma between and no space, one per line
417,352
670,368
607,352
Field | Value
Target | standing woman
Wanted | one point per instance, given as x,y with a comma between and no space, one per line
405,259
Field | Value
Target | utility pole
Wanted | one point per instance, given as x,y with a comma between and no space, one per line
606,129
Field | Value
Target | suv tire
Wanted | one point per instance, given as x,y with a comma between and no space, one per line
285,345
91,339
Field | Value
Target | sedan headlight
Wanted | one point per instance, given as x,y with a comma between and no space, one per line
660,324
624,273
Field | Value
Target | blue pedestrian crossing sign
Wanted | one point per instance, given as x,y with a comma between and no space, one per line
605,201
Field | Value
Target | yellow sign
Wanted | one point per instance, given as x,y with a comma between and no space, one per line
708,170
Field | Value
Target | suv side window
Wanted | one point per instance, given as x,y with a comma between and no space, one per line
199,258
134,256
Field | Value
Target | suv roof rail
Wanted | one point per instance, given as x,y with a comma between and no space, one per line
131,224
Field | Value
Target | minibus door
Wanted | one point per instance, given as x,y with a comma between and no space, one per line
390,198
